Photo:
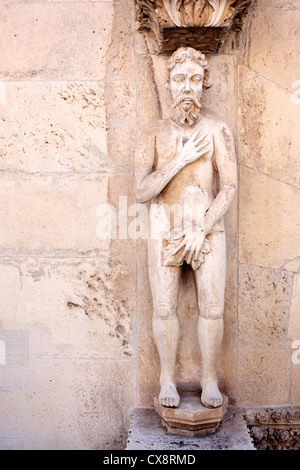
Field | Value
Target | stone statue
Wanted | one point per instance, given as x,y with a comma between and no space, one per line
187,161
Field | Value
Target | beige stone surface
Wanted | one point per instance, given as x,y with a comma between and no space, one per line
46,213
191,418
294,318
264,302
268,139
276,5
71,307
264,377
76,84
38,132
68,404
295,384
48,42
272,208
278,65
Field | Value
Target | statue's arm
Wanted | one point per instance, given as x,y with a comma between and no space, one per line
148,181
225,160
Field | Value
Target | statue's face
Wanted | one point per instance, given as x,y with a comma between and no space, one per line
186,82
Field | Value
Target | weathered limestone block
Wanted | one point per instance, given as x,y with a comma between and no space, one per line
294,340
263,377
44,213
269,140
277,64
71,307
276,5
67,126
49,42
294,319
47,214
269,220
68,404
264,302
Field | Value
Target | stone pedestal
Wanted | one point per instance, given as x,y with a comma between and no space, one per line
147,433
191,418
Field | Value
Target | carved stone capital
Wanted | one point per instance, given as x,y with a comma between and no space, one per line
202,24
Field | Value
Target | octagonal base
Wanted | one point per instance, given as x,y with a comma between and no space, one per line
191,418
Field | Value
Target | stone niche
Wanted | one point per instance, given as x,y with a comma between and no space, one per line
201,24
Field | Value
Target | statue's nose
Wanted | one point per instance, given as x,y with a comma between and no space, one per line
187,87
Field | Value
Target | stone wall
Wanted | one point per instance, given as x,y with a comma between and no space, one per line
76,348
67,138
269,222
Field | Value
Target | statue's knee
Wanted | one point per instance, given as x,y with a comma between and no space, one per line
211,312
164,312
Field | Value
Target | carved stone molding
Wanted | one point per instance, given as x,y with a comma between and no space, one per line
273,417
274,429
202,24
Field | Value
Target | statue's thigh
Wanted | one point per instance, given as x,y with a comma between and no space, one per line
164,280
210,278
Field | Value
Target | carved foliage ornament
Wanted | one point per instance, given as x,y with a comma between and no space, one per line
163,16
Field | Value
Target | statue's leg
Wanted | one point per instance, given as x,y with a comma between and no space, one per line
164,286
210,287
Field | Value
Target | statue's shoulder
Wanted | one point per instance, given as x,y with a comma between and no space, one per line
216,124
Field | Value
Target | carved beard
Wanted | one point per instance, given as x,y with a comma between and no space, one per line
190,115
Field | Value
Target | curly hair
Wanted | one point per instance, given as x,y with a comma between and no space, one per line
188,53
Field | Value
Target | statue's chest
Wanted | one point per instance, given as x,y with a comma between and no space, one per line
167,144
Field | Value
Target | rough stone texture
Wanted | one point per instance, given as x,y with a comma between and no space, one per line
67,138
146,433
263,377
76,84
48,214
269,243
294,320
294,341
276,156
191,418
70,307
45,41
264,301
276,4
272,207
67,404
38,133
277,65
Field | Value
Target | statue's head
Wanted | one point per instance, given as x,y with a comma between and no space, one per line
186,75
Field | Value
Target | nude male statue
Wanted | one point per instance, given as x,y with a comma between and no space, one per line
178,160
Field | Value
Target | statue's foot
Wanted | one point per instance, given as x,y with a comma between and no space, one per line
168,395
211,395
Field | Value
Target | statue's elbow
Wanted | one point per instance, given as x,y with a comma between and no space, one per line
231,190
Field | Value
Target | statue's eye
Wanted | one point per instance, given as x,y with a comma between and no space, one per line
178,78
197,79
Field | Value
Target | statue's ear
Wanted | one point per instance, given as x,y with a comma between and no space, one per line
207,82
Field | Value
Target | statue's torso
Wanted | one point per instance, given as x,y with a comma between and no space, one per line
195,184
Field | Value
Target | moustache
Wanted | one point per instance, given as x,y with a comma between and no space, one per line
182,97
